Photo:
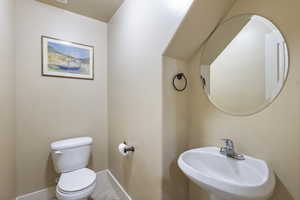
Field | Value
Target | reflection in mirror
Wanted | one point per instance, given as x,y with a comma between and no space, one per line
244,64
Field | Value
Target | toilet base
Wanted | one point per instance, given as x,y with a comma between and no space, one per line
81,195
89,198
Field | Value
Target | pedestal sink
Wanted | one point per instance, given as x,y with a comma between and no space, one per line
226,178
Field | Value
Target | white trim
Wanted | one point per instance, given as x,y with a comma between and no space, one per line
49,193
120,187
102,172
44,194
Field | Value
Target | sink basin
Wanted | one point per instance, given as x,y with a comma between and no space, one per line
227,178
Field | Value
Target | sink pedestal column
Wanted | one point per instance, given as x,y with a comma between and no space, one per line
213,197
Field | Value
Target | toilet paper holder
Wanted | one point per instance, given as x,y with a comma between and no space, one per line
128,148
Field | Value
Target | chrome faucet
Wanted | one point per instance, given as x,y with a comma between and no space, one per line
229,151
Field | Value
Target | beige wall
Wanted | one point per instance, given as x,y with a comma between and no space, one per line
7,98
49,109
193,30
138,34
274,133
175,184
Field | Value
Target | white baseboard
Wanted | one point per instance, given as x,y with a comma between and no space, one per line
118,187
44,194
109,188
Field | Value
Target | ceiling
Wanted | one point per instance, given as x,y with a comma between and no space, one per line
101,10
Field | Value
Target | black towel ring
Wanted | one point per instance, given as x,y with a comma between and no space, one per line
179,76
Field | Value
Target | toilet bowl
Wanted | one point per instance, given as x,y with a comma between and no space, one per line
76,185
70,158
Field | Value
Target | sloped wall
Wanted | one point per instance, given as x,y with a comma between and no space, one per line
198,24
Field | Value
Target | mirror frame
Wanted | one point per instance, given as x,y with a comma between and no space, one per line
263,106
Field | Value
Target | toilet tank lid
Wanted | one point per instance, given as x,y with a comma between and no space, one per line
71,143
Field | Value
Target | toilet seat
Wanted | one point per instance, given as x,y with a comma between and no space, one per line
76,181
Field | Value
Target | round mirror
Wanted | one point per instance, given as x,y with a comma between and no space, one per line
244,64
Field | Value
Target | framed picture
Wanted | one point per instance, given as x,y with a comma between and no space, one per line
67,59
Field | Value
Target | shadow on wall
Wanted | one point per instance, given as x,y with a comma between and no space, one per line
91,161
127,169
281,191
174,184
50,175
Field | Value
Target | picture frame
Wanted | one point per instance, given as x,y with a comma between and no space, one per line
65,59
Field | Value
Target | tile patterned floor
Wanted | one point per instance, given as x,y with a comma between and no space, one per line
107,195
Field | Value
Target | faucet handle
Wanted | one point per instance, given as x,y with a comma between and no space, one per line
228,142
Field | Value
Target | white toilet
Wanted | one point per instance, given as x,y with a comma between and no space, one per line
70,158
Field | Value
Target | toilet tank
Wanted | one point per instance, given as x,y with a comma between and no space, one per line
71,154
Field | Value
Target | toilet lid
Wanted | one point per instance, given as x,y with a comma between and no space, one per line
76,180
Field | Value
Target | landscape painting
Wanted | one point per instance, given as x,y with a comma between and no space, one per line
67,59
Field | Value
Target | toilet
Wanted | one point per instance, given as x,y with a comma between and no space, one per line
70,159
